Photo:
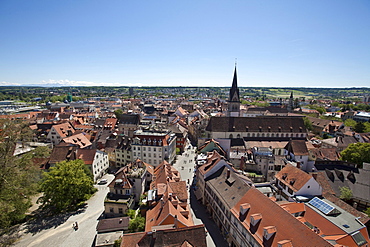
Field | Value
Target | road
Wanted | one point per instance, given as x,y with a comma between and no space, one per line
198,211
57,231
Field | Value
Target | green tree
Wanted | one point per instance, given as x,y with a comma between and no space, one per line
137,224
117,243
18,177
359,127
350,122
131,213
67,186
356,153
345,193
367,211
307,123
367,127
118,113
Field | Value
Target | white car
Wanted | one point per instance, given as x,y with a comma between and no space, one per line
103,181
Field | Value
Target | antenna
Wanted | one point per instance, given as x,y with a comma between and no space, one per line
236,61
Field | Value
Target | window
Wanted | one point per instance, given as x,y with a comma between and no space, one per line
127,192
120,210
149,149
231,136
111,210
290,191
154,149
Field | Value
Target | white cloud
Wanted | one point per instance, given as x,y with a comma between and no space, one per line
67,83
5,83
71,83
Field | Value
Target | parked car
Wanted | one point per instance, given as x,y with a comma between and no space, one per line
103,181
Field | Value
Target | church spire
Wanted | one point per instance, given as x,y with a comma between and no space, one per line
234,90
234,98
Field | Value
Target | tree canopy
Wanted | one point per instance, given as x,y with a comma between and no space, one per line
345,193
66,186
18,177
357,153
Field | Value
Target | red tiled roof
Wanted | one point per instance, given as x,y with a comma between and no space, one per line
287,226
294,177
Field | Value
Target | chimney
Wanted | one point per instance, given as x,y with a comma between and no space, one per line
228,174
162,203
176,222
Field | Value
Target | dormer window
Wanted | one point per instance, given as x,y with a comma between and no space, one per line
291,129
285,242
244,209
268,231
260,128
255,218
279,129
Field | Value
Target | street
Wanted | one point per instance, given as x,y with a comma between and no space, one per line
185,165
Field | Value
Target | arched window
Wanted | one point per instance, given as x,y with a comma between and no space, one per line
231,136
238,136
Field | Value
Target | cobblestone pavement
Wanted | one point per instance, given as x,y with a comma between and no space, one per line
58,231
185,164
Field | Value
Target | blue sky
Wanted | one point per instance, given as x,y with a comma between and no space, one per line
318,43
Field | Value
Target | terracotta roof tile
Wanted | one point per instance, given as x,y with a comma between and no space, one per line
293,177
288,228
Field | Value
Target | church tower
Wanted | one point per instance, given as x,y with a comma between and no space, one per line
234,99
291,103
